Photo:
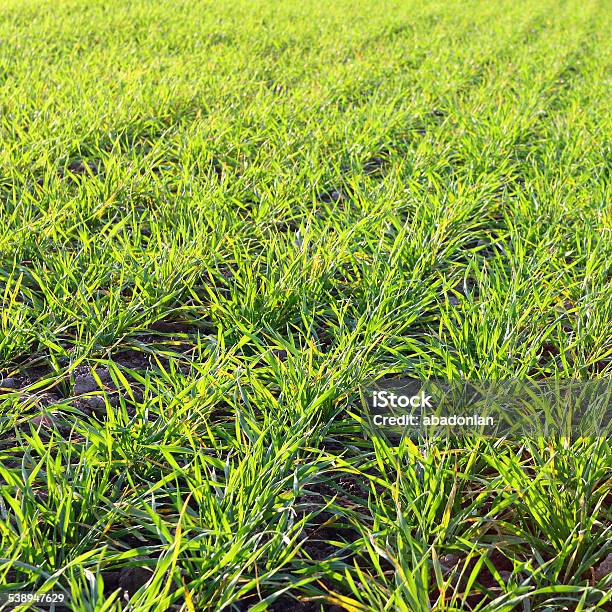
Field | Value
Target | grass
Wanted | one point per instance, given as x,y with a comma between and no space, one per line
220,221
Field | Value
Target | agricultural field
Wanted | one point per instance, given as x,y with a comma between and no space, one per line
220,223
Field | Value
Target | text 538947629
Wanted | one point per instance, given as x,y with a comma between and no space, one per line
19,598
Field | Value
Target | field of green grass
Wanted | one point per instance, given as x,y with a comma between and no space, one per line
221,221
